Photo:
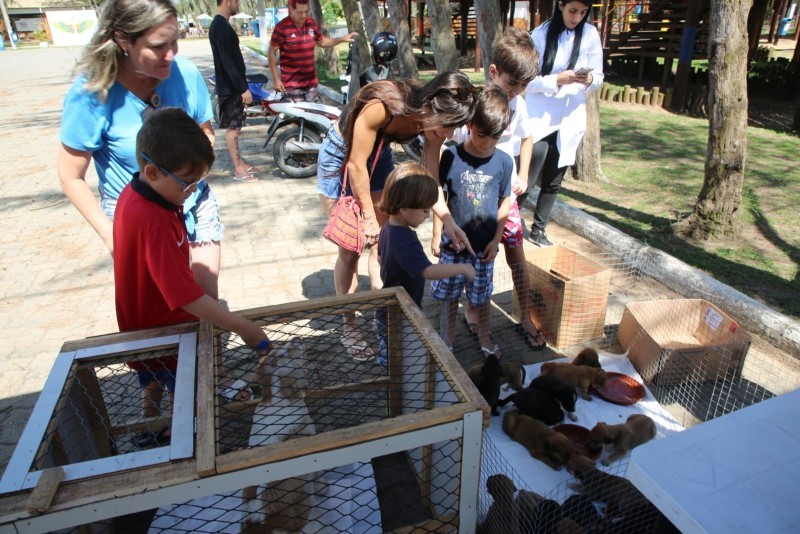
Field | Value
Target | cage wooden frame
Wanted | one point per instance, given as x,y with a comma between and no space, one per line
98,498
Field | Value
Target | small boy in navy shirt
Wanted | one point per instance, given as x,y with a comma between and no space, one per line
408,196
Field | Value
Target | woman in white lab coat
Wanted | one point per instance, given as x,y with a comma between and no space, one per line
571,66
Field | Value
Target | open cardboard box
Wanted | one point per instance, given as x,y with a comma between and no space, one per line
672,341
568,295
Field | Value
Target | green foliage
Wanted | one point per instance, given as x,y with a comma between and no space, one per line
332,11
773,78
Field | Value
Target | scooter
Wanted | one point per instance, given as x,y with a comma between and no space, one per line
296,149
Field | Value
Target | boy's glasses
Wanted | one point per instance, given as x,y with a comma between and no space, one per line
186,185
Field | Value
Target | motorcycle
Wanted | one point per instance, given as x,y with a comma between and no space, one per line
296,149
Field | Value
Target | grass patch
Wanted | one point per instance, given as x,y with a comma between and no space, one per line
655,161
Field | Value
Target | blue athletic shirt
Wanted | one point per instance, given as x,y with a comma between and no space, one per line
474,187
109,129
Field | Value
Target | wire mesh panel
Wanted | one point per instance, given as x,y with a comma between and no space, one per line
336,370
322,440
91,417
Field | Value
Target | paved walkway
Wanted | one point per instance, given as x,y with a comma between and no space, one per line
57,280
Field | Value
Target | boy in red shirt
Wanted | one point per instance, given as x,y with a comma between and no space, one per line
154,284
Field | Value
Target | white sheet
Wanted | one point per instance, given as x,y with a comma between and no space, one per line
541,478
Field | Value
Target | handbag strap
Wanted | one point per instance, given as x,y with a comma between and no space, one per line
374,164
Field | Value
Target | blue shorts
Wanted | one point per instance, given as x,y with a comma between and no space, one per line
165,377
329,164
202,220
479,291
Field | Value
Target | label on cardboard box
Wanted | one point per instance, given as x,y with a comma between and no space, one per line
712,318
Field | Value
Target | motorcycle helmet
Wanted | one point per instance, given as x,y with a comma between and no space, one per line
384,48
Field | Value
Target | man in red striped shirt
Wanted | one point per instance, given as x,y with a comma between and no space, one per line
295,37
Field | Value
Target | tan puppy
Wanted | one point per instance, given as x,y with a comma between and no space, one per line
587,357
636,430
579,376
502,515
617,492
542,442
514,375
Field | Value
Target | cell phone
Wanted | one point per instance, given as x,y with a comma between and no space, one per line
584,70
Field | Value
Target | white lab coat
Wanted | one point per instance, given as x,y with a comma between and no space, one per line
552,108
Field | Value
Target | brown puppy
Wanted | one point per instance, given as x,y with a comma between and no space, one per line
617,492
636,430
542,442
587,357
502,515
579,376
514,375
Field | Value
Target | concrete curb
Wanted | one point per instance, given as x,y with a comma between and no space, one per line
780,330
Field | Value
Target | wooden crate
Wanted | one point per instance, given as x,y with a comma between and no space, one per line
683,340
429,422
568,295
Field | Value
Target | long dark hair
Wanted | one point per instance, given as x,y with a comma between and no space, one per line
447,100
554,29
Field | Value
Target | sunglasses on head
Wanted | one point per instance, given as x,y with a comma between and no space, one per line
186,185
462,94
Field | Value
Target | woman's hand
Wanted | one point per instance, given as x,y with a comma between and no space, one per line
519,185
371,230
566,77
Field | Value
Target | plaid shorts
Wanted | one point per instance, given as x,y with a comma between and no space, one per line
479,291
512,233
231,112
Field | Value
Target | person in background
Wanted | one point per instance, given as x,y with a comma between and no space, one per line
571,66
514,64
231,83
380,113
128,69
294,38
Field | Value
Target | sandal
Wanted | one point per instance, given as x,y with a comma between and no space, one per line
357,349
247,178
231,392
473,328
532,340
494,351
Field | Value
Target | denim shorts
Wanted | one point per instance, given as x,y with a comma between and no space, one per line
203,218
165,377
479,291
331,156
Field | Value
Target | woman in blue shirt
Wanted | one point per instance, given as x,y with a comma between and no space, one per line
128,69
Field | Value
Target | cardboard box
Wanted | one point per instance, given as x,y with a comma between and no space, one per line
568,295
674,341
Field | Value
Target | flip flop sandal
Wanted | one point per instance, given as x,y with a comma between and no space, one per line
495,350
229,393
531,338
357,350
247,178
473,328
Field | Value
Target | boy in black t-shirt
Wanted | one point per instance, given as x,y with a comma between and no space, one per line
408,196
477,181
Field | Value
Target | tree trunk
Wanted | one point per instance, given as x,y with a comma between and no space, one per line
326,58
407,64
587,163
487,16
442,41
372,17
755,23
718,212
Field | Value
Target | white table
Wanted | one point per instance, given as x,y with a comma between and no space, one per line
737,473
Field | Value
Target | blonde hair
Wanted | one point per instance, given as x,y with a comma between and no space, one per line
409,186
130,19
